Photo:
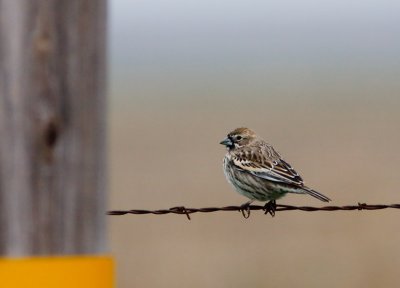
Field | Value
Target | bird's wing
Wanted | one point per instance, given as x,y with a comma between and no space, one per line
275,169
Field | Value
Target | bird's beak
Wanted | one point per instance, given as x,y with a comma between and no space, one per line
227,142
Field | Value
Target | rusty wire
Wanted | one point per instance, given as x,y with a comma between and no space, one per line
246,212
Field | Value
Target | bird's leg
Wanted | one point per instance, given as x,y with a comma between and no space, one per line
245,209
270,208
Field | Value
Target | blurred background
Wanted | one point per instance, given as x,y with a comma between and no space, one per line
320,80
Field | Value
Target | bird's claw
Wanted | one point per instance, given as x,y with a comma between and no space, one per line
270,208
245,209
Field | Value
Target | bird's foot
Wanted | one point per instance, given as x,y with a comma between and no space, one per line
270,208
245,209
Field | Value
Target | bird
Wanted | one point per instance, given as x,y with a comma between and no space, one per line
257,171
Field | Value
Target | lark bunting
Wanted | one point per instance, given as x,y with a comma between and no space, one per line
257,171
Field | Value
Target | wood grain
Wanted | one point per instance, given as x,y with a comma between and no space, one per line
52,127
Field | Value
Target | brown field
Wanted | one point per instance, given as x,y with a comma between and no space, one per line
166,153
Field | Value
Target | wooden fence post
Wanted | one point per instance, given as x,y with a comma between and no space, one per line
52,128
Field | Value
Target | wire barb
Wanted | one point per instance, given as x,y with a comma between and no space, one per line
279,207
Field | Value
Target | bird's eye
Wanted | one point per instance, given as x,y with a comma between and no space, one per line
238,137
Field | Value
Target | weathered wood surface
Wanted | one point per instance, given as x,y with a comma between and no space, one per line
52,127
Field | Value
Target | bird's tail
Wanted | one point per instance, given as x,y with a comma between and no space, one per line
316,194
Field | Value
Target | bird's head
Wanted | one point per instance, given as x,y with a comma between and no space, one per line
238,138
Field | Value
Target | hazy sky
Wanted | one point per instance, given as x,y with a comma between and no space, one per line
250,40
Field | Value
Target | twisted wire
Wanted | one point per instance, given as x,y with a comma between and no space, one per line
246,212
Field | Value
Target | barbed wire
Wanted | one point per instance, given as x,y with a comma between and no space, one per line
246,211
